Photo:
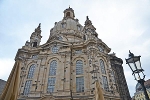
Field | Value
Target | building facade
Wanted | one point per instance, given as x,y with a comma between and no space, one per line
68,65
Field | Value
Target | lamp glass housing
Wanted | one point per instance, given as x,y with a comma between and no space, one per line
135,64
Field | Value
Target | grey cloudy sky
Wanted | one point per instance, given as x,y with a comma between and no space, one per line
122,24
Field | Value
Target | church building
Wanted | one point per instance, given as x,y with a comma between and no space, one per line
74,64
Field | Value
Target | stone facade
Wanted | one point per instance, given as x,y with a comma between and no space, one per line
2,85
67,66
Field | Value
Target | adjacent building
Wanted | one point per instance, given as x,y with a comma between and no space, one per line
2,84
74,64
118,72
139,94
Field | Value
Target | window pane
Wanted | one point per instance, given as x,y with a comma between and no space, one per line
105,83
27,87
102,67
31,71
80,84
51,84
79,67
53,66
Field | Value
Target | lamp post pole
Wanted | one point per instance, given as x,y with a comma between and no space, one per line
141,81
135,65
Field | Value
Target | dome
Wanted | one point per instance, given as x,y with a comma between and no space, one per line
67,24
146,83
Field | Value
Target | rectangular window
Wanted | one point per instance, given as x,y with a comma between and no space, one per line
80,84
51,84
105,83
78,51
27,87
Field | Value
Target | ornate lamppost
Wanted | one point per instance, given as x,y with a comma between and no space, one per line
135,65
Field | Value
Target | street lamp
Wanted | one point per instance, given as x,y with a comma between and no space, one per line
135,65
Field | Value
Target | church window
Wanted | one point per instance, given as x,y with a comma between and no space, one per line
53,66
68,14
79,67
100,49
54,49
27,87
102,65
34,44
80,84
51,84
31,71
105,83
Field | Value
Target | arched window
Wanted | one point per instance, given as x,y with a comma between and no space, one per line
53,66
68,14
31,71
102,65
79,67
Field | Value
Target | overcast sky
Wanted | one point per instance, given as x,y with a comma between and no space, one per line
122,24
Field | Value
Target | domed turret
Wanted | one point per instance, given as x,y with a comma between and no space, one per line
69,12
67,23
